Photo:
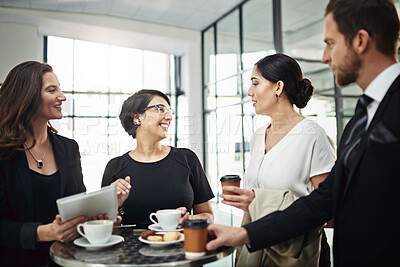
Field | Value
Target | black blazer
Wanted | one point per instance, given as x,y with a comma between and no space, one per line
17,225
363,205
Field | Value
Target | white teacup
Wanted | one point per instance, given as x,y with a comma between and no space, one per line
96,232
167,219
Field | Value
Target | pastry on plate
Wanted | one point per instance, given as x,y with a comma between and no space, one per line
157,238
146,233
172,236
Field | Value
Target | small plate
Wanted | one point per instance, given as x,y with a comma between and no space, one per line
161,243
114,239
158,228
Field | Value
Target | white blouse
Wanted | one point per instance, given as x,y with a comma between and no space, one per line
304,152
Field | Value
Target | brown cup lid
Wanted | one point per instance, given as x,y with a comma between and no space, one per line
230,178
196,224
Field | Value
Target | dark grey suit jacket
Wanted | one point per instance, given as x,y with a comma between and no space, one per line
364,205
17,225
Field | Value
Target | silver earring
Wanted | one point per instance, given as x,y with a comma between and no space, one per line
138,123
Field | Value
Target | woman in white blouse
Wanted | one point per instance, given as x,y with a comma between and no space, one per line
291,152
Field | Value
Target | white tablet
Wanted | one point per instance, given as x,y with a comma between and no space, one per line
89,204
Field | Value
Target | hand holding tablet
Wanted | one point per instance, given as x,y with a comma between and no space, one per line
89,204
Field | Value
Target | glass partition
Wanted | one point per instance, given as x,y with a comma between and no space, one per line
258,35
232,46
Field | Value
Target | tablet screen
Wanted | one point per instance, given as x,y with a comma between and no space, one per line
89,204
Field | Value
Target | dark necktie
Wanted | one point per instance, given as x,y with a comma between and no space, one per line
359,128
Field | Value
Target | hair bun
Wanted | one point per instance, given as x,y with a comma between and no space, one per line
305,92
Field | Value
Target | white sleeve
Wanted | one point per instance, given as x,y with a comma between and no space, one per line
323,155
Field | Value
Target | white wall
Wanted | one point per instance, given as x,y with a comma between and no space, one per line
18,43
22,31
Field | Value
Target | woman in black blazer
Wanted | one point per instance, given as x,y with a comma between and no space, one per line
37,166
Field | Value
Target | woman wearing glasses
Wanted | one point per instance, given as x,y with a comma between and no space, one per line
155,176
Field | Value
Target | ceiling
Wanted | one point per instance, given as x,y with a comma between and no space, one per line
191,14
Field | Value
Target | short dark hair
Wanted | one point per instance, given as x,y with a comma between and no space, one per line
280,67
378,17
135,105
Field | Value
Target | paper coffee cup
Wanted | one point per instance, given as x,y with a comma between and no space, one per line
96,232
195,232
230,180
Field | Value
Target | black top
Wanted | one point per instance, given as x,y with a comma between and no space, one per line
45,204
18,223
178,180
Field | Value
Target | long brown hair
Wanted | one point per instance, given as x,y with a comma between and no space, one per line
20,105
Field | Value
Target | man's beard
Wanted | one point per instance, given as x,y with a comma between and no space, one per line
348,73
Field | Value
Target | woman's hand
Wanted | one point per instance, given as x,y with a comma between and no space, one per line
123,189
241,199
63,232
201,211
104,216
184,216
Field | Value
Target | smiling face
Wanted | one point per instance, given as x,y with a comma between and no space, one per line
152,124
52,97
341,58
262,93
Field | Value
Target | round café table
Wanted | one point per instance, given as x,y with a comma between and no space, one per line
130,252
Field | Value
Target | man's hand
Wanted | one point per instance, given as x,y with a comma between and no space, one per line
222,235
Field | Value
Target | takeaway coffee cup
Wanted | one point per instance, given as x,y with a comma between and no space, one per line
96,232
167,219
195,232
230,180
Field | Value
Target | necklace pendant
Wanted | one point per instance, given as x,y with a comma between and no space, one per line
40,164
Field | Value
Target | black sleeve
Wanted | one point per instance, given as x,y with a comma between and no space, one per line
77,169
110,172
13,233
303,215
201,186
10,230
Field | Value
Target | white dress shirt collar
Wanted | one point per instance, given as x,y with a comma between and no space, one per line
379,86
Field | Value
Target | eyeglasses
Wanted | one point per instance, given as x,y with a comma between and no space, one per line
162,109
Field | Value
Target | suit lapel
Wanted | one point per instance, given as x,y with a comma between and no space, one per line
382,107
25,180
60,154
376,119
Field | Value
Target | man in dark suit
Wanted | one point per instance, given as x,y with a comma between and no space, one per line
361,192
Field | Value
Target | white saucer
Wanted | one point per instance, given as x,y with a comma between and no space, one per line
114,239
161,243
156,227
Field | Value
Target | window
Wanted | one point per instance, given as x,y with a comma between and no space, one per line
96,79
231,47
